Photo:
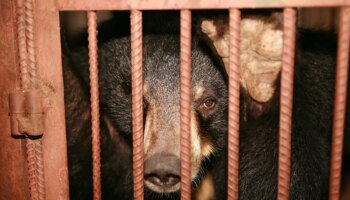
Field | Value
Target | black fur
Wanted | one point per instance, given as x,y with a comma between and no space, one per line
161,72
312,118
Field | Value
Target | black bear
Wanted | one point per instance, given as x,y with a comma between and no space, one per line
261,47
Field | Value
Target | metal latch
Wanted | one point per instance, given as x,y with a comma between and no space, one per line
26,113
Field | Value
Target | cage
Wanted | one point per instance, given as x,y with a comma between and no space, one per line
33,139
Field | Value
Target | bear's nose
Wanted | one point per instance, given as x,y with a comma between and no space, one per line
161,179
162,173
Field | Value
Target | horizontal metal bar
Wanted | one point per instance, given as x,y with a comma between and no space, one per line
187,4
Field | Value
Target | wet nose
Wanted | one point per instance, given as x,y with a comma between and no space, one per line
162,173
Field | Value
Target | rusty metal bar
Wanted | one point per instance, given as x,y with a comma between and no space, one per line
185,4
25,28
137,102
21,39
95,113
31,57
340,102
287,73
27,57
185,110
233,115
35,169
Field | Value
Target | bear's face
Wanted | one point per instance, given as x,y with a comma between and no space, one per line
162,111
161,91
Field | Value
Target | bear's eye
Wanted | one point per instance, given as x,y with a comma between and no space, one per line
208,104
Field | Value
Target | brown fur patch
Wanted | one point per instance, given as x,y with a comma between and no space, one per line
148,131
206,190
196,151
207,147
199,91
260,52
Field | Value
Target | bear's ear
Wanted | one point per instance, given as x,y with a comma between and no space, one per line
260,51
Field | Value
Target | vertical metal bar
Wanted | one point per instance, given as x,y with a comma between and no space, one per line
233,115
340,102
94,98
137,100
28,69
35,169
31,57
21,39
185,72
284,154
34,147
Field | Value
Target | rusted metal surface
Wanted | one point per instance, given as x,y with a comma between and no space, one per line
233,114
28,70
50,82
137,103
285,129
35,169
185,4
21,39
26,113
26,46
94,99
340,102
30,45
13,173
185,110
